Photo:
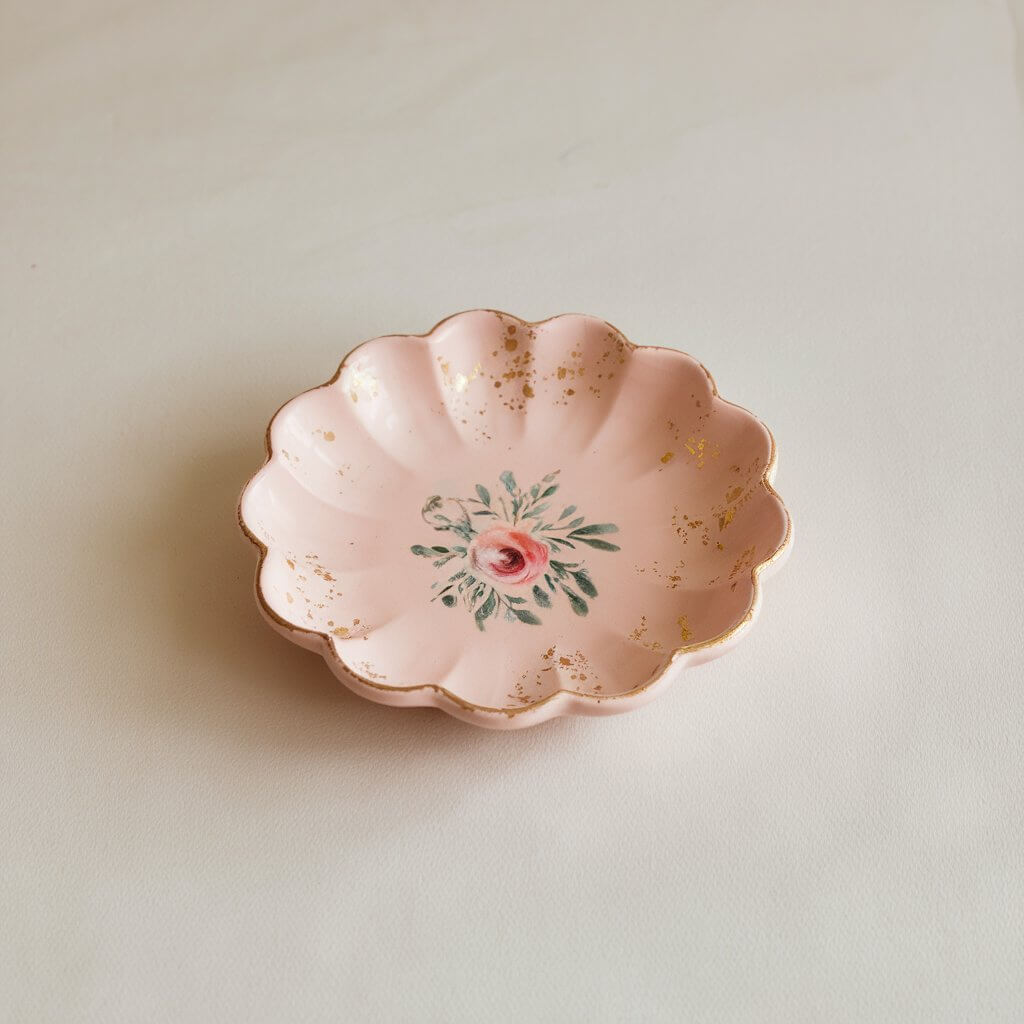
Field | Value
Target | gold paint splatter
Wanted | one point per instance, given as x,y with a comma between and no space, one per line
638,634
682,523
670,578
702,449
575,665
667,457
699,449
745,561
528,391
328,435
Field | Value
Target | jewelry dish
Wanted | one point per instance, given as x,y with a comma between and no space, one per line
512,521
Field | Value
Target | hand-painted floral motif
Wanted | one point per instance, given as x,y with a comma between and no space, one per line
510,558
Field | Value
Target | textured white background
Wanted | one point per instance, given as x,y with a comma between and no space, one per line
206,205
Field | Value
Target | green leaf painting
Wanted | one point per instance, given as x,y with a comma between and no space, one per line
509,564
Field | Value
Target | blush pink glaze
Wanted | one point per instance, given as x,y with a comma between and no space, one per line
513,521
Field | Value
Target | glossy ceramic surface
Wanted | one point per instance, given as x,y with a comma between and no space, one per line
511,521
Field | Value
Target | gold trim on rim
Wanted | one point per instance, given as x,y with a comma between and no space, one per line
331,651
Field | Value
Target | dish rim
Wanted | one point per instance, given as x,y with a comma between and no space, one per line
327,648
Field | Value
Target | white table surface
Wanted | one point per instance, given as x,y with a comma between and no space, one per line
206,205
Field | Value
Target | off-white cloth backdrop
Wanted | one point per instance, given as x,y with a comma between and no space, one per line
206,205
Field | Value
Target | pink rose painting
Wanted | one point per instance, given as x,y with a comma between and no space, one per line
512,551
508,556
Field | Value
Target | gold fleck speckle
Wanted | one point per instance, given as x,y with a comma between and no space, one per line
575,665
328,435
667,457
745,561
638,634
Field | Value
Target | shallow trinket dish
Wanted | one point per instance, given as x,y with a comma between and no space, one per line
511,521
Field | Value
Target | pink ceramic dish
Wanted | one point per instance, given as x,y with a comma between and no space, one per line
512,521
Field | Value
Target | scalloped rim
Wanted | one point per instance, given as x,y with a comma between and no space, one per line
560,701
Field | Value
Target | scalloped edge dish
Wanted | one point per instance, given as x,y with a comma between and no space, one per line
508,550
